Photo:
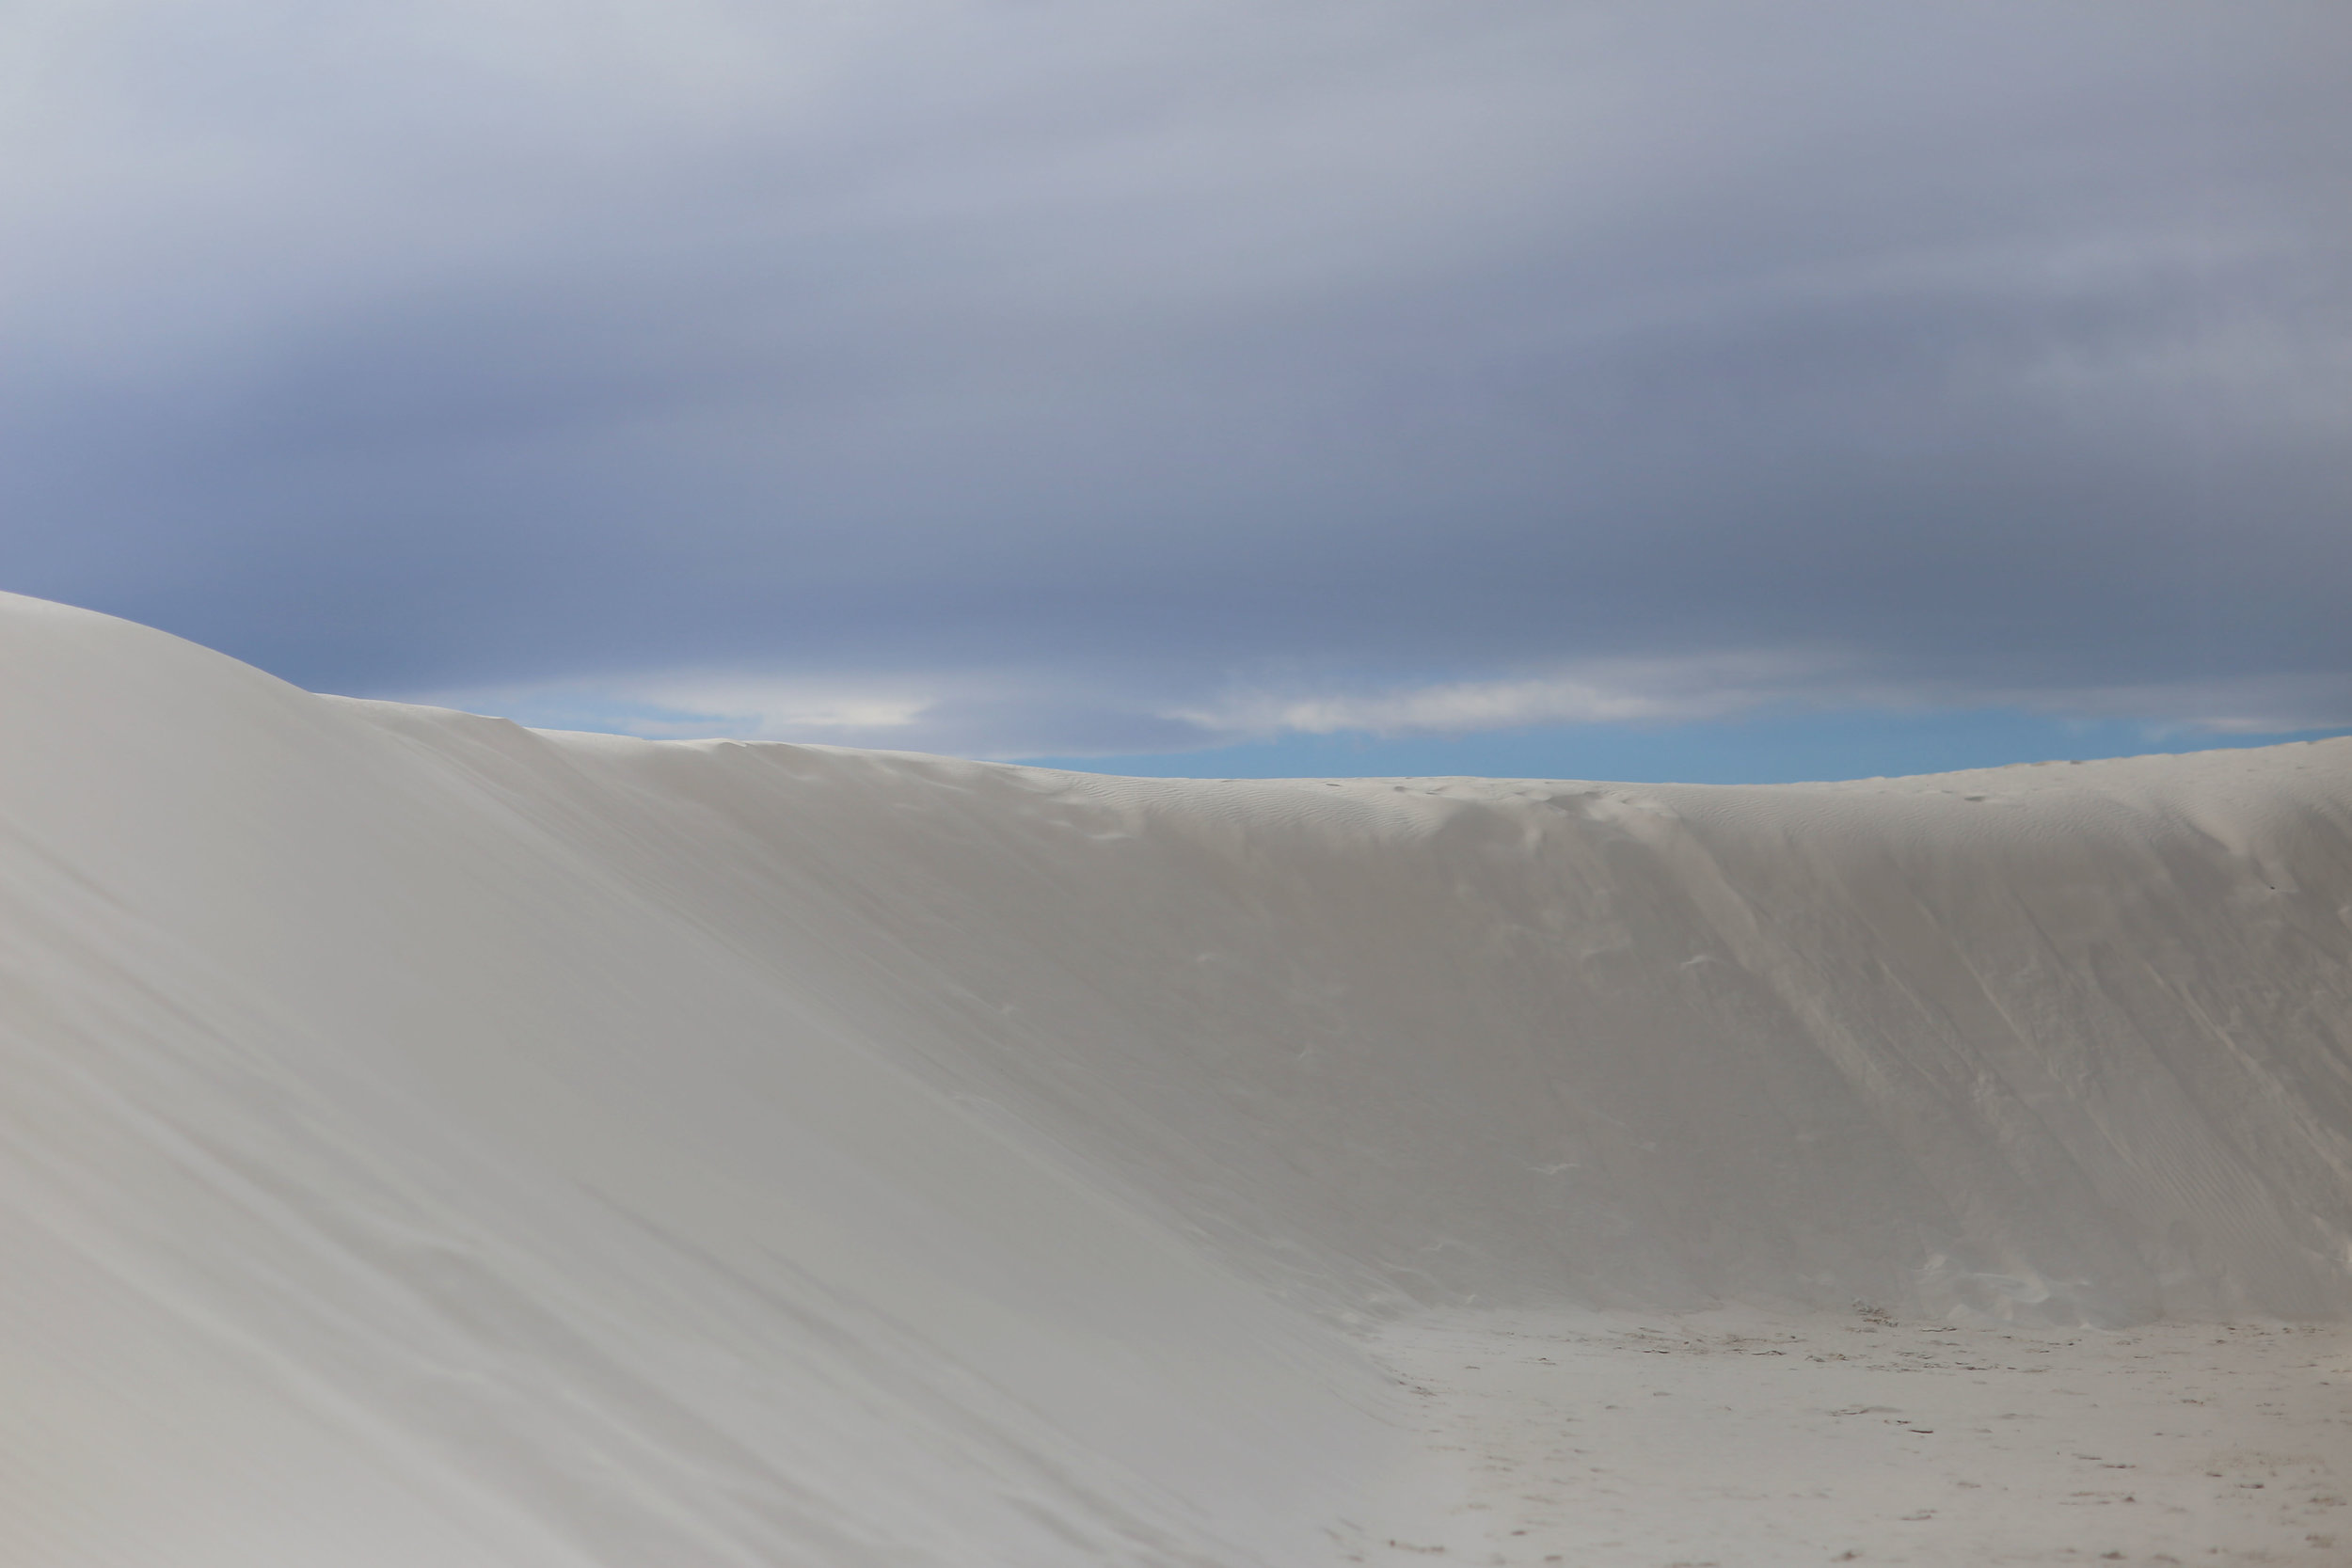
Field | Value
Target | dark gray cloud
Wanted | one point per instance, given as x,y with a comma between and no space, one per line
1051,377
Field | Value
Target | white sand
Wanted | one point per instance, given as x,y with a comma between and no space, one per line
1736,1437
426,1141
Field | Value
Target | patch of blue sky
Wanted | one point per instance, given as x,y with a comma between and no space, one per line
1764,750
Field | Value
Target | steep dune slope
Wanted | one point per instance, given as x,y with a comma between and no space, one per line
427,1140
391,1179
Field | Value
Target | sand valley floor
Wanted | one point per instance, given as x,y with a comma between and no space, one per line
1744,1440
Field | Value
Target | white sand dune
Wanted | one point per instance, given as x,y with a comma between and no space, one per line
427,1141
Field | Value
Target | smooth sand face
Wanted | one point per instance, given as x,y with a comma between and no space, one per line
425,1140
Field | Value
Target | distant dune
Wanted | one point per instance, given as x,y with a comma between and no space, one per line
428,1141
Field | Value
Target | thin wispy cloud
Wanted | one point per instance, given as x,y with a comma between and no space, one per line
1601,693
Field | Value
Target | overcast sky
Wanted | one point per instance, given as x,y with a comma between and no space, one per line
1040,377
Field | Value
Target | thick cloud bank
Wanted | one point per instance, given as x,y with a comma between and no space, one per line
1061,379
426,1140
